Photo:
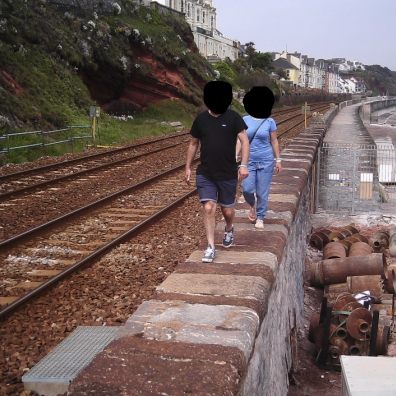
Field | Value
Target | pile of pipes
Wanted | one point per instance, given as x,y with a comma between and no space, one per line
358,305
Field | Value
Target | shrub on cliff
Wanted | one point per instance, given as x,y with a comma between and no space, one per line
55,61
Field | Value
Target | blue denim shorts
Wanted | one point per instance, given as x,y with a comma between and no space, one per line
222,192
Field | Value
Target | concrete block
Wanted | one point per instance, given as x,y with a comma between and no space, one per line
243,258
178,321
249,287
288,198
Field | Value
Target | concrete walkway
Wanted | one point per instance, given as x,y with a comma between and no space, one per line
348,128
358,162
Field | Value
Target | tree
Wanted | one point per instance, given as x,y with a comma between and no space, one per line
226,71
250,51
262,60
256,77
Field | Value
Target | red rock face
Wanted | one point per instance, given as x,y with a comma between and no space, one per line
139,91
11,83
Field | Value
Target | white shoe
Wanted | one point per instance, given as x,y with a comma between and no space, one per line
209,255
259,223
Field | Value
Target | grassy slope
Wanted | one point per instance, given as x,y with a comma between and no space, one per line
44,53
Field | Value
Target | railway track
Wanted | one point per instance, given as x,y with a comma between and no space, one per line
39,177
35,260
25,181
43,195
38,258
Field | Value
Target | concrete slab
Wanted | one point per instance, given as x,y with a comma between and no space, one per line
289,169
135,366
250,227
289,198
298,154
178,321
286,216
367,376
294,159
248,287
244,258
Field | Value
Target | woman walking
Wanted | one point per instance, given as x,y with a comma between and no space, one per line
264,152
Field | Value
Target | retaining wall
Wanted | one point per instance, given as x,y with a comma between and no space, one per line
370,107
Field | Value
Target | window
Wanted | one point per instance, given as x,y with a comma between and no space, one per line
203,17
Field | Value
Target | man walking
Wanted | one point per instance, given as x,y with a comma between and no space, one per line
217,130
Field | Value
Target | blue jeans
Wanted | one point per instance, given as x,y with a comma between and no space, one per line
258,183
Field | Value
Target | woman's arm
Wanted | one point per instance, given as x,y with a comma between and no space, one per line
275,148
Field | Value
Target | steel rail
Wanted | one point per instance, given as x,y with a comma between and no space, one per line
7,243
82,172
93,256
113,151
86,157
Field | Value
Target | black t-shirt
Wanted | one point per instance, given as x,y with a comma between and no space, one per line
218,137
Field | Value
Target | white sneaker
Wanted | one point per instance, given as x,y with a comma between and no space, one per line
209,255
259,223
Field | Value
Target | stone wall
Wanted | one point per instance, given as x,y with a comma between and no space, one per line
370,107
269,376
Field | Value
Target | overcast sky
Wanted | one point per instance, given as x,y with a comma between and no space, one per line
362,30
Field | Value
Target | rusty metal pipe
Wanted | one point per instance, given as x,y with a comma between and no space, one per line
390,280
355,350
334,250
341,333
373,283
356,238
379,241
341,344
382,340
358,323
332,271
360,249
392,241
319,239
334,352
363,326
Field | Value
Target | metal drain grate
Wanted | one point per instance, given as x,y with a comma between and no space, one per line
53,374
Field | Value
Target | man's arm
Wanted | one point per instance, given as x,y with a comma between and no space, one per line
191,152
243,171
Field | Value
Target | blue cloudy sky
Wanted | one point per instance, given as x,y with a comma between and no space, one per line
363,30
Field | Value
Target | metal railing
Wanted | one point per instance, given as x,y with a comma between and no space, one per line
42,139
356,178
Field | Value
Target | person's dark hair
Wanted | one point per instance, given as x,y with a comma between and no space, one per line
259,101
218,96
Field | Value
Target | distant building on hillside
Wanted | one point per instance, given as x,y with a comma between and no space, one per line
305,72
346,66
201,16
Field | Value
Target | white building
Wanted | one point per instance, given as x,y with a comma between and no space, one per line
201,16
314,74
